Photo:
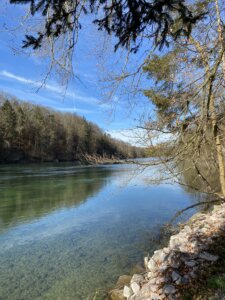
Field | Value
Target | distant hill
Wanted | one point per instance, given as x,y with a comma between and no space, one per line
33,133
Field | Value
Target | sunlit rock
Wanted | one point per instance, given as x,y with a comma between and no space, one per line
127,292
135,287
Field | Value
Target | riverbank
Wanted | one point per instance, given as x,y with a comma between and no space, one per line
181,270
92,160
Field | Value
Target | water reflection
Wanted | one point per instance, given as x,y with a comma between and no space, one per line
68,231
36,191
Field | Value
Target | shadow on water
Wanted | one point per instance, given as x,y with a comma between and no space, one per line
30,192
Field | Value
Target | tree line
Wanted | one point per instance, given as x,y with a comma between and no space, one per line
34,133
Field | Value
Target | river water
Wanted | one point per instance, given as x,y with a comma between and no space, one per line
68,232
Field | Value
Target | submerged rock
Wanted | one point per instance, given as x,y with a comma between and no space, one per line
116,294
123,280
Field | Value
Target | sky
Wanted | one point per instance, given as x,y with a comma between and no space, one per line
22,75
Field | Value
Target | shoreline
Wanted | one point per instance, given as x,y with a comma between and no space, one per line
171,271
75,162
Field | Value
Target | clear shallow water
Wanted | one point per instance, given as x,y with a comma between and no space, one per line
67,231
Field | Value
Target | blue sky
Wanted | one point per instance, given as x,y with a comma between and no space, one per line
21,75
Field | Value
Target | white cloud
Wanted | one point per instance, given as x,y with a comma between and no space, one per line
49,87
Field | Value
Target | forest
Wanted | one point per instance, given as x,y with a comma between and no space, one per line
33,133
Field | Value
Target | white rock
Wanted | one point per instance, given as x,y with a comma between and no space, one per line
154,288
137,278
155,296
146,262
151,264
159,256
127,292
152,281
175,242
166,250
163,268
187,228
135,287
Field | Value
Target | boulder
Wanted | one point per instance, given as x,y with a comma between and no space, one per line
152,264
137,278
127,292
159,256
135,287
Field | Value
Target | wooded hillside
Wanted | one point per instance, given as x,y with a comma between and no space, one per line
33,133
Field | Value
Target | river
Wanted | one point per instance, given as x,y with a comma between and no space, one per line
67,232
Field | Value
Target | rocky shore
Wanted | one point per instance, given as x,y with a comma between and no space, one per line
171,270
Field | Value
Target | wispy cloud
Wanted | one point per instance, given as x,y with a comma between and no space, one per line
49,87
44,101
76,110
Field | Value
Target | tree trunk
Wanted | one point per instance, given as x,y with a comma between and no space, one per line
218,145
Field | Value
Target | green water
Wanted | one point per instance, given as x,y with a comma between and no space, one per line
67,232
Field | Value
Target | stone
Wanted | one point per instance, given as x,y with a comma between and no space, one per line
193,275
169,289
190,263
137,278
155,296
186,279
123,280
175,264
187,228
161,280
154,288
138,269
174,242
152,281
146,262
116,294
163,268
145,291
175,276
151,264
159,256
127,292
166,250
135,287
209,257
